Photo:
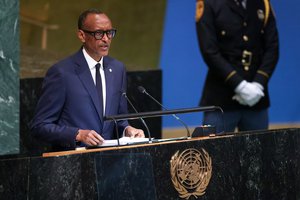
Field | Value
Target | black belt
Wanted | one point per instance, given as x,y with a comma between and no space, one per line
246,59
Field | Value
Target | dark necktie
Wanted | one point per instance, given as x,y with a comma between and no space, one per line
99,87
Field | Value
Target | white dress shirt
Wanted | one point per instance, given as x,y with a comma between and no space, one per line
92,63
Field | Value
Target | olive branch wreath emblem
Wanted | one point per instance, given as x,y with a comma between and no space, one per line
191,172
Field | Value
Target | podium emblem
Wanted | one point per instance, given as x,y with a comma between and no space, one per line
191,172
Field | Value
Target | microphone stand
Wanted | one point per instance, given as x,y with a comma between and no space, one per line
142,120
143,90
117,131
160,113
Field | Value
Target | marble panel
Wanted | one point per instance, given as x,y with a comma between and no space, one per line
9,77
69,177
125,176
258,165
13,178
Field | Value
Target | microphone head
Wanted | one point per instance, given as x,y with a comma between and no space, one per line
141,89
123,93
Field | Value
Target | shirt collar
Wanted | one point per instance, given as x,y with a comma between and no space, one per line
90,61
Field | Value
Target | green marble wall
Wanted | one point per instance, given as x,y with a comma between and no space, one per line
9,77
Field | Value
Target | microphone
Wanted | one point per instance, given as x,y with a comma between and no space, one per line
143,91
142,120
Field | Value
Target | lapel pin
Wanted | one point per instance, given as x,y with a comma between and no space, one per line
110,70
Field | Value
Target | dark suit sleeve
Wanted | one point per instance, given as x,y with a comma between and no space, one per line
123,103
207,38
44,124
271,51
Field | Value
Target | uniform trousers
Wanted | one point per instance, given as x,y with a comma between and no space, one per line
242,120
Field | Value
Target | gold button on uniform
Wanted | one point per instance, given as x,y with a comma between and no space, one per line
246,68
245,38
223,32
245,24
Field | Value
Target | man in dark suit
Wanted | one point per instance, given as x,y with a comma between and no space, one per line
79,90
238,40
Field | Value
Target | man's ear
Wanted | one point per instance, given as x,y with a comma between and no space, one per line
81,36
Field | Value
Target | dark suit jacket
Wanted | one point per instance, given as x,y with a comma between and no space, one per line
225,31
69,101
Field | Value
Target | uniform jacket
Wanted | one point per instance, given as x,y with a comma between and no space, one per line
227,35
69,101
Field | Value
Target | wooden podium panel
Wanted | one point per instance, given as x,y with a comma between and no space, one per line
247,165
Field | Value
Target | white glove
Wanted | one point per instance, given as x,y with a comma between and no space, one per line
248,93
258,85
239,99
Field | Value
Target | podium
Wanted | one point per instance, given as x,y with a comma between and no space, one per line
246,165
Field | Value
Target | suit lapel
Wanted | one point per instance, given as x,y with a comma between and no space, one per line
85,76
109,78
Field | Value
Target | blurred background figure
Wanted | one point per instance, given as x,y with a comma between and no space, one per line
239,43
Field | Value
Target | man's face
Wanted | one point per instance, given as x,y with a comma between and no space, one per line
96,48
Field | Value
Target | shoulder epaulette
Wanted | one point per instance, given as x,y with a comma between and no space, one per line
267,11
199,9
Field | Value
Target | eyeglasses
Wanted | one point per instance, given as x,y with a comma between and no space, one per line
98,35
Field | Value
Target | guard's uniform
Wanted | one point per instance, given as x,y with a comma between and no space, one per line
237,44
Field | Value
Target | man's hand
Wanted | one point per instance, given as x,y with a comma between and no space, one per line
134,133
89,137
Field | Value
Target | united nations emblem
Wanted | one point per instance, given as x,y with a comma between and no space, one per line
190,172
